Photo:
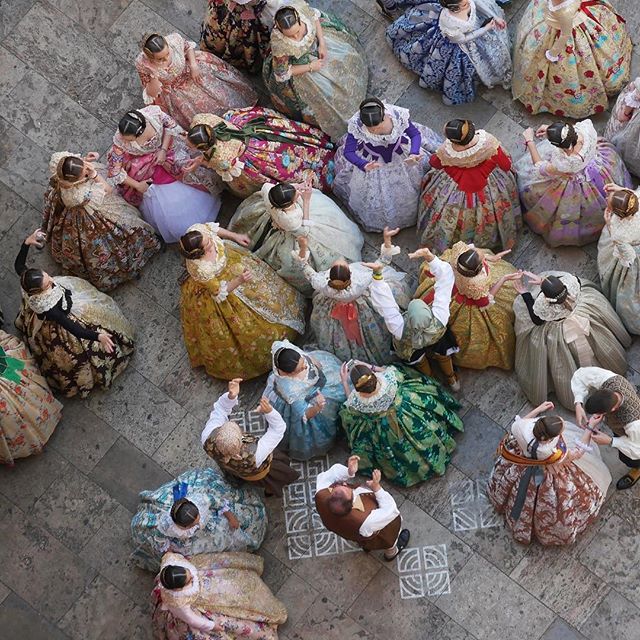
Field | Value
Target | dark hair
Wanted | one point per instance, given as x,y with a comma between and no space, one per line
173,577
339,276
450,4
286,18
32,281
202,137
553,287
70,168
600,401
287,359
460,131
339,505
184,513
371,112
132,123
192,245
363,378
623,203
469,263
558,136
547,427
282,195
155,43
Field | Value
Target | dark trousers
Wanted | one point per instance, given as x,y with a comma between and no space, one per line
630,462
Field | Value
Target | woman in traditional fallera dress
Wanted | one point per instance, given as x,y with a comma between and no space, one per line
563,324
29,413
453,43
278,214
380,165
233,306
399,421
248,147
198,512
316,72
77,335
214,596
305,389
345,319
92,231
569,56
481,307
470,194
561,182
147,164
618,252
623,128
548,481
184,81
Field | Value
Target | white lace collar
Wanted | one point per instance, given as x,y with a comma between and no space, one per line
41,302
134,145
632,97
289,219
361,278
399,117
381,399
299,46
169,528
448,21
481,134
175,596
577,161
626,230
549,312
203,269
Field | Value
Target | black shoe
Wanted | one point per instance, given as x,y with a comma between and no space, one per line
403,541
626,482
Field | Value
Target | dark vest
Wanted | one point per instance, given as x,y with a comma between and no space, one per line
348,527
245,467
629,410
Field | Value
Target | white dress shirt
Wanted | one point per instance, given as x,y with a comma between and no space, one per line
587,379
379,518
385,304
276,426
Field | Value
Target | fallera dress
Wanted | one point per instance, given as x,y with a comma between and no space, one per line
593,49
450,53
154,533
563,196
326,98
259,145
230,334
623,131
220,88
389,195
94,233
273,232
470,196
405,428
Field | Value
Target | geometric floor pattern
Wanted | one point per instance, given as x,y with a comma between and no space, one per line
424,571
470,506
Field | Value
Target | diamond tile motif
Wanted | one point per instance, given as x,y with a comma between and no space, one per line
470,506
424,571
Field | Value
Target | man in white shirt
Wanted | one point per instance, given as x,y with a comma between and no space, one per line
367,515
611,398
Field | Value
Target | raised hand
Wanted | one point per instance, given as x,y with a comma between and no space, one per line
374,483
387,234
423,252
352,465
265,406
234,388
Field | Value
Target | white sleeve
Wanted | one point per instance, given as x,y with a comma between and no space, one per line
193,618
219,415
276,428
379,518
629,444
336,473
586,379
384,303
443,273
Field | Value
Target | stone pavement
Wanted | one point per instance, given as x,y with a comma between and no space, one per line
66,76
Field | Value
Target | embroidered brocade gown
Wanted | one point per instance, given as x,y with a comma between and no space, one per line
481,323
470,196
430,41
94,234
389,195
405,428
230,334
227,600
274,232
297,152
29,413
565,503
563,196
624,131
154,533
550,350
326,98
220,88
595,57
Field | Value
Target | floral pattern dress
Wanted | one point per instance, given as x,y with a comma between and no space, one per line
29,413
563,196
154,533
593,49
405,428
470,196
326,98
221,87
259,145
230,334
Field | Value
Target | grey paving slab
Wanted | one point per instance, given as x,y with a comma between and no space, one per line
94,16
615,619
12,207
560,630
185,14
11,14
4,592
297,596
275,573
19,620
13,70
